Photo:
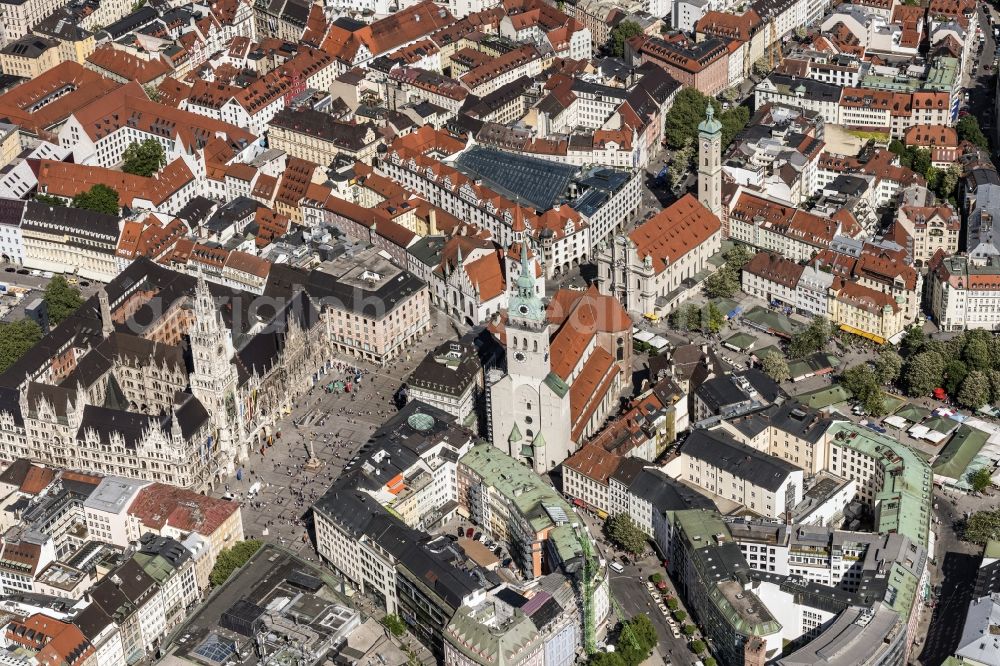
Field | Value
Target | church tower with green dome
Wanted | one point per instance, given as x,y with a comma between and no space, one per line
529,399
710,162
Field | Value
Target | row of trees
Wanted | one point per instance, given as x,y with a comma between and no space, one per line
967,367
693,318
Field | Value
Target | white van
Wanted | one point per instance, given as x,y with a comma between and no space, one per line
616,567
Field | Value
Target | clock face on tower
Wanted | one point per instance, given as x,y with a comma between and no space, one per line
519,356
523,309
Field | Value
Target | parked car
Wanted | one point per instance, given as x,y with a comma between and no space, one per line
469,532
477,536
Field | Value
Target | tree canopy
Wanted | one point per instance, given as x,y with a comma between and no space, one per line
982,526
61,299
725,282
623,532
394,624
810,340
50,200
687,112
637,640
774,366
923,373
231,559
862,381
975,391
100,198
621,33
887,366
968,130
143,158
16,338
981,479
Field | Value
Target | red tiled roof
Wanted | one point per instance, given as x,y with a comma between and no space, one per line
29,105
159,505
675,231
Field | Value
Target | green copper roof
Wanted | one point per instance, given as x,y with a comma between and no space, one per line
558,386
534,499
481,636
525,303
710,125
903,505
515,434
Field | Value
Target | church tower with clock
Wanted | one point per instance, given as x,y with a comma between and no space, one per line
529,405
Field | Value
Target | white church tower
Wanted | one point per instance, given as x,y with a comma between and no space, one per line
529,406
213,380
710,162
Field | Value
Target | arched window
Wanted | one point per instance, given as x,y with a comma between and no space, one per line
536,345
621,349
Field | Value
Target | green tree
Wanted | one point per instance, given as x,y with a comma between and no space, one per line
621,33
692,317
723,283
862,382
606,659
923,373
697,647
688,629
680,615
143,158
896,146
810,340
982,526
968,130
394,624
739,255
231,559
642,631
975,390
887,366
623,531
61,299
955,371
733,120
716,318
50,200
981,479
913,342
947,183
16,338
921,162
976,354
672,603
685,114
100,198
774,366
680,164
709,661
